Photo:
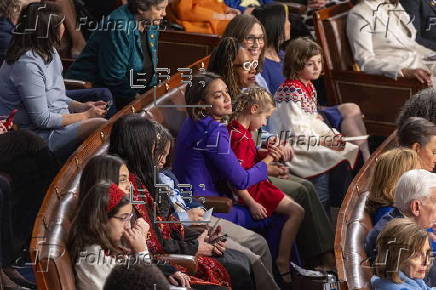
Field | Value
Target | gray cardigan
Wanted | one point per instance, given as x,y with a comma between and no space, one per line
36,89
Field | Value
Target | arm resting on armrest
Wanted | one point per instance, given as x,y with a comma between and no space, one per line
187,261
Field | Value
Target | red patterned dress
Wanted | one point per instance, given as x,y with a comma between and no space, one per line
264,192
210,271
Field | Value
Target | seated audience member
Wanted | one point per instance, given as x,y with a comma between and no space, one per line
136,277
347,117
134,138
421,104
423,14
403,257
26,159
388,169
9,11
251,110
420,135
383,40
202,16
117,57
414,197
194,211
249,33
100,226
31,82
112,169
327,161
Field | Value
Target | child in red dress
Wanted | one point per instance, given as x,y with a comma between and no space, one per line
251,110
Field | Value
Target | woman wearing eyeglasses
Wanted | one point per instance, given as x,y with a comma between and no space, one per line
403,257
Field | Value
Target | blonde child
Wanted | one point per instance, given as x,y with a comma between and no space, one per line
251,110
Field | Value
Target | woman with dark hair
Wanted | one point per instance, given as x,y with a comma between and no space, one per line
32,83
100,226
419,135
122,54
133,138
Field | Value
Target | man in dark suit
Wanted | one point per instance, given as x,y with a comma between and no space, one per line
423,14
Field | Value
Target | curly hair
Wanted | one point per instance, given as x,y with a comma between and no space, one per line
10,9
422,104
250,97
298,52
221,63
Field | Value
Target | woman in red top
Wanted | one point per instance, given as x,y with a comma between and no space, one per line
251,110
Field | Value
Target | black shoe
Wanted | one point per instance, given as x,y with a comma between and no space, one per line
282,283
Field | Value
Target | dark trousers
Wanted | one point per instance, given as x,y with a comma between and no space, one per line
93,95
6,235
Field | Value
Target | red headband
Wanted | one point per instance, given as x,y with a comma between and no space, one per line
115,196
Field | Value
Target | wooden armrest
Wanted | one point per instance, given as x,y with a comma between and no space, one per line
187,261
220,204
296,8
363,77
76,84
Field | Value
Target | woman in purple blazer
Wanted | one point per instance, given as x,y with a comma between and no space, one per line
205,160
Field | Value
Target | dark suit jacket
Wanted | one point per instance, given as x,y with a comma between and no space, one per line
423,14
5,37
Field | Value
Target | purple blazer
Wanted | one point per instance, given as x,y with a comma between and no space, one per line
205,160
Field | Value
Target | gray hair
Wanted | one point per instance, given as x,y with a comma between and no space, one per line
421,104
415,184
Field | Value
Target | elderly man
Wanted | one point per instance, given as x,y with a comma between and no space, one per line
415,197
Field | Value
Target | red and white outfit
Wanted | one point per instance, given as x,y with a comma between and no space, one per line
264,192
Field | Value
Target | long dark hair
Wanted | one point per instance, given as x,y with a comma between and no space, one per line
133,138
273,17
89,225
163,139
98,169
37,30
196,93
144,5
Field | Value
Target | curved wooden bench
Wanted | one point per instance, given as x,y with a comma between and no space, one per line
52,263
353,225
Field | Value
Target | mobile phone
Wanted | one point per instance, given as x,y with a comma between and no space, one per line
218,239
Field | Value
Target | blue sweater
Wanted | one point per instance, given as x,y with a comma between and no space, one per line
241,4
378,283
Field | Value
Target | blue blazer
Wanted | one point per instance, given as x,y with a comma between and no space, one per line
6,28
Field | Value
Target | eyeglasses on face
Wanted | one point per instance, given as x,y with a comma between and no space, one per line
251,39
248,65
124,219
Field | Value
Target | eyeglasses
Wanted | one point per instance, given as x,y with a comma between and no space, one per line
248,65
251,39
124,219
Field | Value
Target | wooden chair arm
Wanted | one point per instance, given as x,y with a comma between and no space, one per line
220,204
187,261
76,84
363,77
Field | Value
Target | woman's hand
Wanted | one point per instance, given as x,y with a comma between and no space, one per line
136,238
257,211
422,75
196,214
278,170
180,279
275,152
95,112
142,225
204,249
100,104
219,248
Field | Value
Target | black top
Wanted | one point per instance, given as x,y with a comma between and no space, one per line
148,64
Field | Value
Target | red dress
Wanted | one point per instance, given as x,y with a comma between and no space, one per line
210,271
264,192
